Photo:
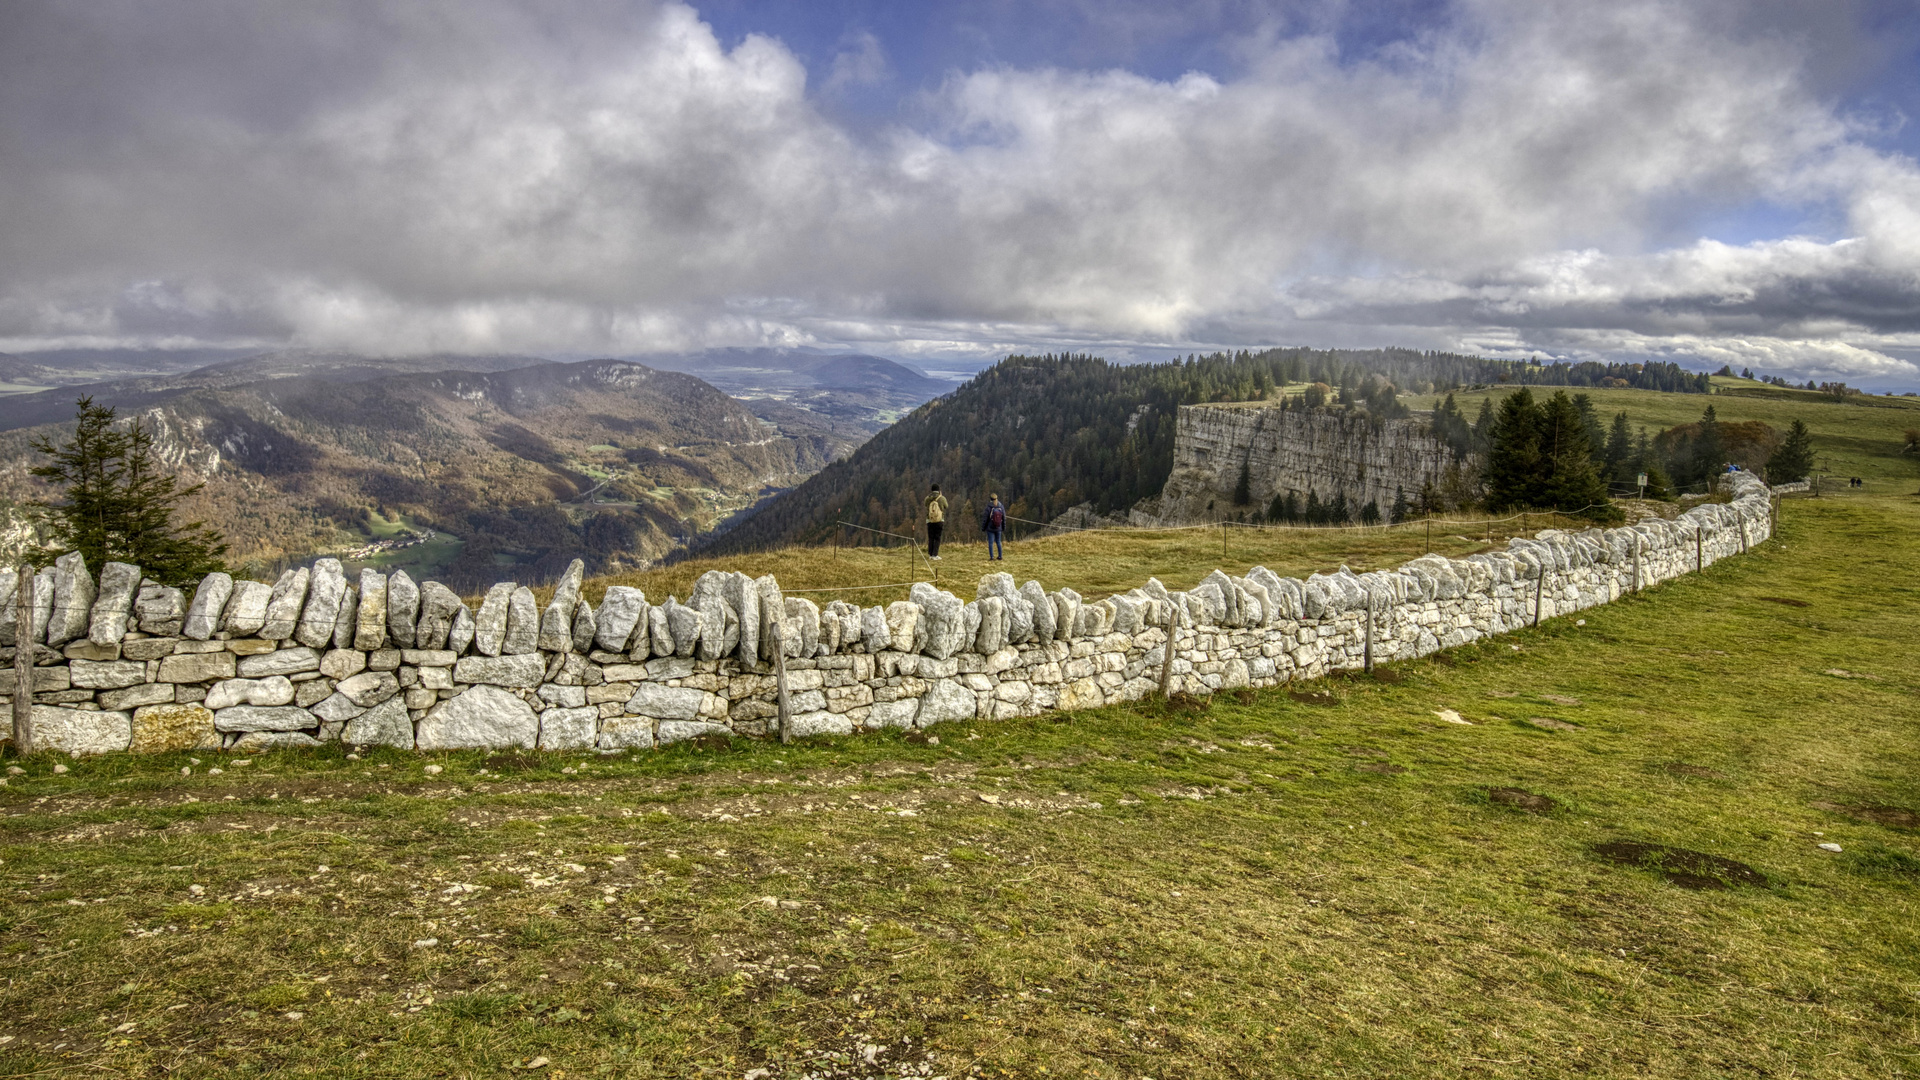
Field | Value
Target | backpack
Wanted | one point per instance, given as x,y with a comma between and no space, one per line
996,519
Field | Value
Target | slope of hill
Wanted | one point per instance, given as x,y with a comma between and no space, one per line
611,461
1050,433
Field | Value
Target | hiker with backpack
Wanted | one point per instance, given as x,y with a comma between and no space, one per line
936,521
994,521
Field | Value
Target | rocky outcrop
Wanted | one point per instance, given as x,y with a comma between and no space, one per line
1325,452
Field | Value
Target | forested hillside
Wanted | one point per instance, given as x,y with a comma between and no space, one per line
1051,432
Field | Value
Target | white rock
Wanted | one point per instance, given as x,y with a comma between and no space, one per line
161,609
665,702
569,729
113,603
72,731
626,733
460,634
516,669
280,662
370,622
477,718
326,588
490,623
263,718
283,606
403,609
946,700
369,688
556,622
438,604
273,690
622,609
523,623
386,724
254,742
347,623
73,595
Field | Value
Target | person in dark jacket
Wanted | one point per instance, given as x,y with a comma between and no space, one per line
994,522
936,521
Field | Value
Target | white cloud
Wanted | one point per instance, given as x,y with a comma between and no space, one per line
499,176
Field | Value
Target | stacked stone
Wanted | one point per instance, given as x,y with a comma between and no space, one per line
125,662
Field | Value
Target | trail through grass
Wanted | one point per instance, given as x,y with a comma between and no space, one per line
1256,886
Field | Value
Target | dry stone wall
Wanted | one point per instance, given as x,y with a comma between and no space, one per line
124,663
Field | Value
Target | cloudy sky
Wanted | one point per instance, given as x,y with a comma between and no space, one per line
1716,181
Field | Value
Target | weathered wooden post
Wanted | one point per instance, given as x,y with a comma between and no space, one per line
1166,656
780,676
1539,586
23,664
1366,661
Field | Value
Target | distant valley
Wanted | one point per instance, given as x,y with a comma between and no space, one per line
477,469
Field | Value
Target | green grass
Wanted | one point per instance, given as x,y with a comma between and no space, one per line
1255,887
1856,436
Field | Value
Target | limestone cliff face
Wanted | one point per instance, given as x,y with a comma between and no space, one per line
1323,451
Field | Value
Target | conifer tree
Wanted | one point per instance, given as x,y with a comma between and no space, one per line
1370,513
1619,450
1709,450
1514,461
1398,513
1243,490
118,503
1572,484
1793,459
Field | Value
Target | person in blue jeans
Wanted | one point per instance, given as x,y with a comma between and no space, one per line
994,521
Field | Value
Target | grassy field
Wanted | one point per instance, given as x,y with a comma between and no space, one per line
1851,437
1260,886
1096,563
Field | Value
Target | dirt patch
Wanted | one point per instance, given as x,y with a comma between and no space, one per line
1184,702
1241,697
1522,799
1561,699
1787,600
1897,817
1382,768
1548,723
1388,676
1698,772
518,761
1315,697
1687,869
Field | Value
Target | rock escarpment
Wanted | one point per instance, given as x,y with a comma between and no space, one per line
242,665
1325,452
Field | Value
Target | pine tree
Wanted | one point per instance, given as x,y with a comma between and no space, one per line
1370,513
1572,484
1315,515
1243,490
1619,449
1709,450
118,504
1793,459
1398,513
1514,461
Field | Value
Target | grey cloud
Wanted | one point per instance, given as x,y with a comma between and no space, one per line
604,175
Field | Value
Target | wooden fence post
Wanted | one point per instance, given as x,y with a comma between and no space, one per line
780,676
1166,656
23,665
1366,663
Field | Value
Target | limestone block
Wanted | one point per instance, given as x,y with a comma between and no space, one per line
1066,614
340,663
460,635
945,700
804,616
666,702
336,708
428,657
569,729
670,667
346,624
160,609
135,696
810,724
369,688
273,690
660,639
159,728
894,714
310,692
1040,611
420,698
524,669
626,733
437,607
992,635
673,731
566,697
112,603
403,609
264,718
284,604
73,596
82,732
106,674
259,742
196,667
1081,694
436,678
386,724
477,718
326,589
279,662
585,626
43,583
875,635
209,605
622,610
945,618
370,622
523,623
